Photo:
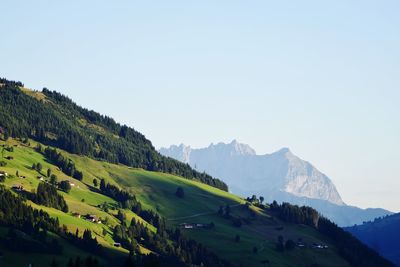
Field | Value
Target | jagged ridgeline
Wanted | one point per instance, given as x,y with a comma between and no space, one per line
52,118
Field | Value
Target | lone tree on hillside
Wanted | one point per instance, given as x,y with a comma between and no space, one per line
53,179
38,167
179,192
102,184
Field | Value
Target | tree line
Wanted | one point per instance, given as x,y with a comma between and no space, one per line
65,164
47,195
175,249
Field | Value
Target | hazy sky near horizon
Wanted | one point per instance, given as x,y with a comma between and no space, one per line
319,77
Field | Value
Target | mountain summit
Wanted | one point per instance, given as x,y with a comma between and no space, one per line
280,176
246,172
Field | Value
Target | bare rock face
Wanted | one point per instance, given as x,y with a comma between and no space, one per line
246,172
280,176
304,180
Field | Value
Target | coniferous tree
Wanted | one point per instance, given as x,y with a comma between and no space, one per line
65,186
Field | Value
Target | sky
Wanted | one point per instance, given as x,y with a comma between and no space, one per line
319,77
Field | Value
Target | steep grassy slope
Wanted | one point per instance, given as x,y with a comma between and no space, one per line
81,199
200,205
156,191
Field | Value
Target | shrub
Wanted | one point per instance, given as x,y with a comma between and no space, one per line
65,186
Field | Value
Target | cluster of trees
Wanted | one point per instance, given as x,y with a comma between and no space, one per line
86,242
47,195
38,241
78,262
174,249
15,213
23,220
66,165
6,82
295,214
65,186
255,201
281,245
237,221
350,248
61,123
128,201
37,167
153,218
18,216
115,193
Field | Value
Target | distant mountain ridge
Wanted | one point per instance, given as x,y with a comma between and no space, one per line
280,176
286,172
382,235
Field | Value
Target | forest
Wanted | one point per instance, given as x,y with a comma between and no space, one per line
53,119
350,248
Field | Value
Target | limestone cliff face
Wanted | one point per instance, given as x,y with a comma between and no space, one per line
246,172
304,180
280,176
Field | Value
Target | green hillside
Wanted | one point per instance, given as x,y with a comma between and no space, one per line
156,191
52,118
111,197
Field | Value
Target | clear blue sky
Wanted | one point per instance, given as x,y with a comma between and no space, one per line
320,77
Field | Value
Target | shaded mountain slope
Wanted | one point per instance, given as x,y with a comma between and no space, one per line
382,234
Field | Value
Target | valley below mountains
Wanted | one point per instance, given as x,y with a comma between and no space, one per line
78,188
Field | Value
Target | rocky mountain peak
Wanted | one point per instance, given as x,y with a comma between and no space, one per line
246,172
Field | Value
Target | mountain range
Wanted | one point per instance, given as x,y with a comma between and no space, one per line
280,176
